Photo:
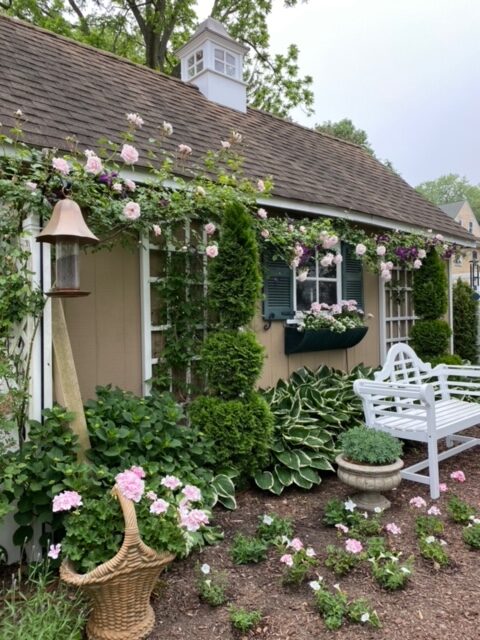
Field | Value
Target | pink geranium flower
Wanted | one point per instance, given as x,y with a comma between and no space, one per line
54,551
443,487
434,511
193,520
296,544
129,154
159,506
353,546
130,485
287,559
138,471
418,502
458,476
66,500
171,482
392,528
192,493
341,527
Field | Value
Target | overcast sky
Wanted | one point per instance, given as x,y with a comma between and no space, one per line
406,71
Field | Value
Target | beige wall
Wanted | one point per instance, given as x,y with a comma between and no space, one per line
278,365
465,216
105,327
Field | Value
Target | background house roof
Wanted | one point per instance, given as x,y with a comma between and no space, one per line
452,209
65,88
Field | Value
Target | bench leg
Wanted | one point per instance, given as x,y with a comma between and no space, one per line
433,472
449,442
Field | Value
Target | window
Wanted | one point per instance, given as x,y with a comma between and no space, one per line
470,227
225,62
320,285
195,63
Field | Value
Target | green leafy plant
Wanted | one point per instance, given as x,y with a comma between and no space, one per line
430,338
367,446
362,527
340,561
459,510
389,572
241,430
471,535
298,561
360,612
332,606
430,284
211,586
309,409
248,549
335,512
428,526
233,361
244,620
431,548
446,358
335,317
376,546
273,528
464,321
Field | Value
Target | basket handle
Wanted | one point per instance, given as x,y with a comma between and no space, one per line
132,534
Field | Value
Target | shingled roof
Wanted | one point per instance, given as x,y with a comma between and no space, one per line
65,88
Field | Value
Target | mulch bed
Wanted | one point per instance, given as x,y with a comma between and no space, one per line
436,605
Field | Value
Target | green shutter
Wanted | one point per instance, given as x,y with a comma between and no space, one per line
277,290
352,275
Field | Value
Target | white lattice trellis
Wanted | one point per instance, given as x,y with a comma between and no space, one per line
396,308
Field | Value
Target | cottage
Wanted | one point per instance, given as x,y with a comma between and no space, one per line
68,89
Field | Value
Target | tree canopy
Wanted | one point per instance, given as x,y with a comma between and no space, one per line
451,188
150,31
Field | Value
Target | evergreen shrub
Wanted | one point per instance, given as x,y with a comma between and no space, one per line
430,288
241,430
430,338
464,321
232,361
446,358
234,276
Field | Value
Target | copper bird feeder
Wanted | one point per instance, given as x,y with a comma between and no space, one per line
67,230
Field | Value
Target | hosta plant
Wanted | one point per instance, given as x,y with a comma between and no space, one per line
310,409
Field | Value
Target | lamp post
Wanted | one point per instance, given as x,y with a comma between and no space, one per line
67,230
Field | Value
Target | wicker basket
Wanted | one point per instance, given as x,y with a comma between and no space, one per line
119,590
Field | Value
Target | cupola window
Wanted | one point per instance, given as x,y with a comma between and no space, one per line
195,63
225,63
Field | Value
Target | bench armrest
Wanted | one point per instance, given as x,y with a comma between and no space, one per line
423,392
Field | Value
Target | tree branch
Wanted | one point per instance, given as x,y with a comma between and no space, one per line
138,17
83,21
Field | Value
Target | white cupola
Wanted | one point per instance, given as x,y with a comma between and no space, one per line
213,61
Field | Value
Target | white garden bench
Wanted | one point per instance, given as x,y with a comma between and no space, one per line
410,400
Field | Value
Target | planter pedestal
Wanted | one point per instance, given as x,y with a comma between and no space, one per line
370,480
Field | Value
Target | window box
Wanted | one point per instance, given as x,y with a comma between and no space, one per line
321,340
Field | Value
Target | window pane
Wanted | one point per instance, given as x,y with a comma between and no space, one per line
230,71
327,272
306,294
191,72
199,55
219,66
230,59
219,54
190,61
310,265
199,66
327,292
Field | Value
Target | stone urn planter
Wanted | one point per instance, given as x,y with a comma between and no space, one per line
370,480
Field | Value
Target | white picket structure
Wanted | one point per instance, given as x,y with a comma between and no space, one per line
410,400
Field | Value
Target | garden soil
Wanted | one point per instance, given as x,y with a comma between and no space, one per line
437,604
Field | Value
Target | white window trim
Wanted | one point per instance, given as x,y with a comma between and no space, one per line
316,279
236,64
196,62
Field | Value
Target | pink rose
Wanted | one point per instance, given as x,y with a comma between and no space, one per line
151,495
360,249
130,184
417,264
327,260
159,506
131,211
212,251
61,165
329,242
117,186
298,250
353,546
54,551
157,230
287,559
294,263
381,250
184,150
260,185
225,144
265,233
167,128
386,275
422,254
171,482
210,229
459,476
261,213
135,119
93,165
337,259
129,154
302,275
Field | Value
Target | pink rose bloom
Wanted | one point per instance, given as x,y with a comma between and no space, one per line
192,493
138,471
54,551
422,254
135,119
236,137
291,228
381,250
193,520
157,230
302,229
329,242
439,237
303,275
130,184
310,552
212,251
316,307
129,154
296,544
151,495
31,186
287,559
434,511
417,264
386,275
66,500
184,150
159,506
131,211
342,528
338,259
117,186
130,485
171,482
260,185
360,249
459,476
298,250
294,263
225,144
261,213
93,165
167,128
353,546
210,229
418,502
327,260
443,487
61,165
392,528
389,265
265,233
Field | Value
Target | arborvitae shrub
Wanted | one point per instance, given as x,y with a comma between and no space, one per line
430,288
232,361
464,321
234,275
242,430
430,338
446,358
